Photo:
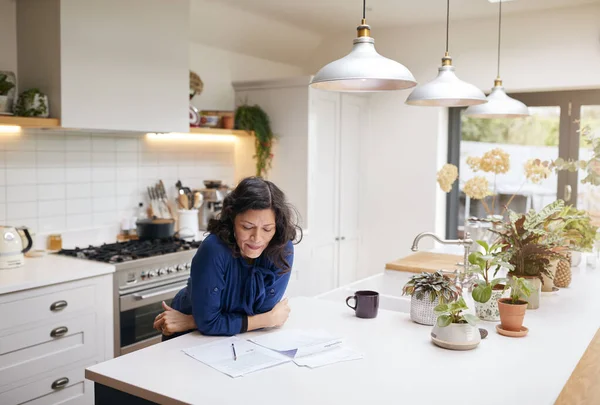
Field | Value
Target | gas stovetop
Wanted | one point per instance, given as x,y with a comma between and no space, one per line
132,250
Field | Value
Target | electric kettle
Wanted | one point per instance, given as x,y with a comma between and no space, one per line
11,246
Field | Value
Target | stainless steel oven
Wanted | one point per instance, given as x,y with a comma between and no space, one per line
140,288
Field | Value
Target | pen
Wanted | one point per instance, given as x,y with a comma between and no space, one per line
234,355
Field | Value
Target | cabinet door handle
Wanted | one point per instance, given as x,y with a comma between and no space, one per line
343,238
59,332
60,383
58,305
337,238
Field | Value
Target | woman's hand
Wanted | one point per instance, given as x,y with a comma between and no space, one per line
172,321
280,312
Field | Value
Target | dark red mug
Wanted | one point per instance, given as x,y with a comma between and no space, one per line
366,303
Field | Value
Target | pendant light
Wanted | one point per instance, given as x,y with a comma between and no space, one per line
363,69
499,104
446,90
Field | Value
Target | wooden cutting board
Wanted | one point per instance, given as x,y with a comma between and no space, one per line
426,261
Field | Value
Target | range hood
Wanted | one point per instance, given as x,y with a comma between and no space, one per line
108,65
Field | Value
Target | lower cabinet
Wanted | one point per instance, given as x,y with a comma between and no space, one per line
53,333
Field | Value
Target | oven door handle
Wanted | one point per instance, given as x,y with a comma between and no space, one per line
141,296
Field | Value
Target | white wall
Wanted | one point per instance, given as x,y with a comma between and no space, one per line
544,50
8,33
218,68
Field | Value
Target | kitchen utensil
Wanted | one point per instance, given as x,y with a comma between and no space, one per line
198,199
164,200
184,202
11,246
188,224
366,303
155,228
212,183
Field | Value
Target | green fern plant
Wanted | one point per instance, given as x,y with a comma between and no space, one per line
5,85
254,118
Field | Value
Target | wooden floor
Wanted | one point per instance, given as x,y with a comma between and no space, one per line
583,388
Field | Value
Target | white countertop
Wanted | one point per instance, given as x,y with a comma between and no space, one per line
401,365
50,269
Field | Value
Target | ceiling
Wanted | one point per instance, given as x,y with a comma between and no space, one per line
324,16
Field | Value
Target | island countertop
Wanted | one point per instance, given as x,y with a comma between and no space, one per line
400,365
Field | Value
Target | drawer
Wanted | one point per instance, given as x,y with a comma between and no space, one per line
42,348
44,306
77,390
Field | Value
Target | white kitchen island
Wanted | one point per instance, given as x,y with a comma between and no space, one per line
401,365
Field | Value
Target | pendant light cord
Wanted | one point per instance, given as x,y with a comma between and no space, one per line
447,23
499,33
364,9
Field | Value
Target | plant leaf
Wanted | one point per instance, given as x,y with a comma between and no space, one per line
441,309
470,318
482,293
484,245
444,320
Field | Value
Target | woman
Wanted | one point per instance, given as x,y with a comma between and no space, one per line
241,270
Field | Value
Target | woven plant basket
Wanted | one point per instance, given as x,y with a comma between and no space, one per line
421,310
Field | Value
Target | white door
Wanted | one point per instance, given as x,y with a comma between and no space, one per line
353,125
324,193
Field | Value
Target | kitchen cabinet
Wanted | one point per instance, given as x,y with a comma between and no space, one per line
108,65
49,336
317,163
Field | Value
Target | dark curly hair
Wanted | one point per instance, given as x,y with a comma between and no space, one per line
255,193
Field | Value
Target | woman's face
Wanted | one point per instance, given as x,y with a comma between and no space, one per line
254,229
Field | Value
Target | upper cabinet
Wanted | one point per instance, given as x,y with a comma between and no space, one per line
108,64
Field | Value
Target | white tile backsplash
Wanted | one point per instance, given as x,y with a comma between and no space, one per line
21,194
60,181
47,175
51,208
79,175
21,210
48,192
21,176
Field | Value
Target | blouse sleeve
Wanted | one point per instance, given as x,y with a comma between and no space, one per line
275,291
207,286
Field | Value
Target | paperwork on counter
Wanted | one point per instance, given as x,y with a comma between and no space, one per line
240,359
310,348
237,357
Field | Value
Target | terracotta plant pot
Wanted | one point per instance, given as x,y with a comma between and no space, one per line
511,315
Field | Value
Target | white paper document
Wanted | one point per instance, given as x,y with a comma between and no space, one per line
310,348
248,356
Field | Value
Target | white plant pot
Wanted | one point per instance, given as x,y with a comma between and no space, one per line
488,311
536,290
575,259
5,104
421,310
456,336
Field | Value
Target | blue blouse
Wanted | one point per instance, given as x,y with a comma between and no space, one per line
223,290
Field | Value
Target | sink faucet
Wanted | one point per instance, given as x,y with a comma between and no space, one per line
467,242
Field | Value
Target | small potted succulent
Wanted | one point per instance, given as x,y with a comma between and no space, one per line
488,290
512,310
454,328
427,290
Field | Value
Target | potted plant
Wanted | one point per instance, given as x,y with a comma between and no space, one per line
427,290
530,245
454,328
32,103
512,310
580,236
5,87
489,289
254,118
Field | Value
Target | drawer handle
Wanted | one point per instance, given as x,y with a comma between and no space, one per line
58,305
60,383
58,332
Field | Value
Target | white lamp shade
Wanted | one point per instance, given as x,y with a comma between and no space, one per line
499,105
446,90
363,70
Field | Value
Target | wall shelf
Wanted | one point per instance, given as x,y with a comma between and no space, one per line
30,122
219,131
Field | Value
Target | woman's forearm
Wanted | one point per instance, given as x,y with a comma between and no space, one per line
260,321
